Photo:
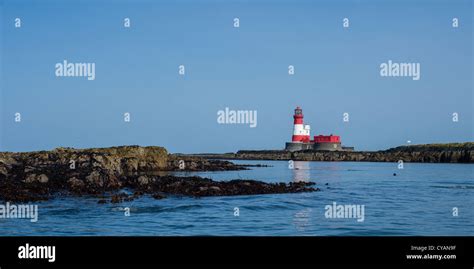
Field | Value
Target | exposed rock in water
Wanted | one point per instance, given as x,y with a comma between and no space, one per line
42,175
190,163
198,187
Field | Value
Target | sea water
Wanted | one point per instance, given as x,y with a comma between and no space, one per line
420,199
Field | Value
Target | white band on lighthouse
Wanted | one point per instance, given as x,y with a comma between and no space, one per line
301,129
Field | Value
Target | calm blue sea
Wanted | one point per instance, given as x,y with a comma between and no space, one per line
418,201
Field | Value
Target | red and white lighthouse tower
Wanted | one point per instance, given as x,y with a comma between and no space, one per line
301,139
301,132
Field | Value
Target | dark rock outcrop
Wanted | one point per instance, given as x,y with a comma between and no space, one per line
41,175
198,187
190,163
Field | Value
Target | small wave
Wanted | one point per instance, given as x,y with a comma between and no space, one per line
180,226
462,182
454,187
59,212
365,231
161,209
265,207
292,203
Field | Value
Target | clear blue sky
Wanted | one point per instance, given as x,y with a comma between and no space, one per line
337,71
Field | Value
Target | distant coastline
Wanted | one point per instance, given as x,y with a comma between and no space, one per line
424,153
40,175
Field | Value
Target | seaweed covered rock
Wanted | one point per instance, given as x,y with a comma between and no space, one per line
41,175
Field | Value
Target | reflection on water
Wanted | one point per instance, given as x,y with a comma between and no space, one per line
301,171
302,219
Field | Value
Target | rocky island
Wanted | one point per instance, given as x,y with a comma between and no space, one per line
427,153
110,172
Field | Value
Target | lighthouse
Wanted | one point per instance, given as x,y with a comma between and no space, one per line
301,132
301,139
